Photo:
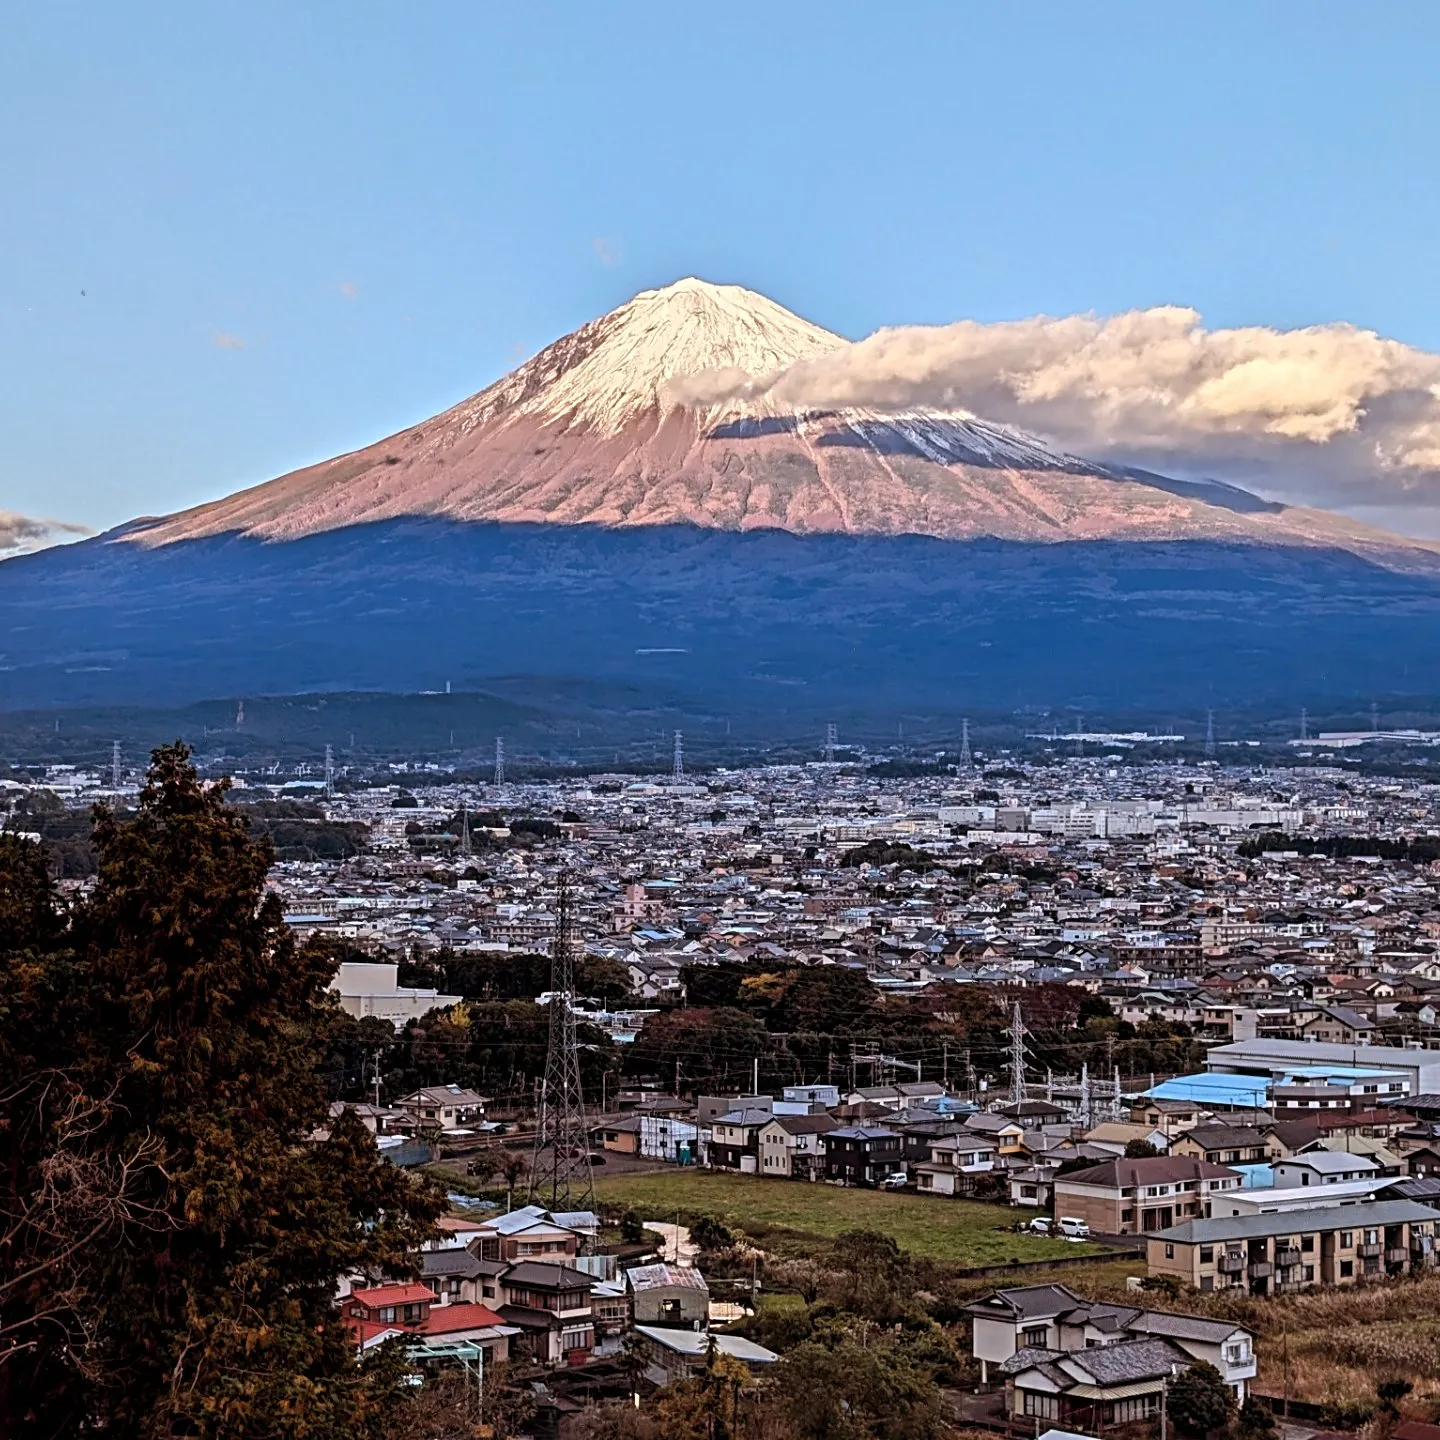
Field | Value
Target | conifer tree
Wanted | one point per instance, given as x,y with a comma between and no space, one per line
195,1027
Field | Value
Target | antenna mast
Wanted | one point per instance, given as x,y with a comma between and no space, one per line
560,1174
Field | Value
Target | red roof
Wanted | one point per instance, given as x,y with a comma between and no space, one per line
443,1319
392,1295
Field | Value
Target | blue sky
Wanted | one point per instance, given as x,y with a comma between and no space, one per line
300,226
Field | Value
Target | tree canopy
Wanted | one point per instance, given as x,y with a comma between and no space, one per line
180,1204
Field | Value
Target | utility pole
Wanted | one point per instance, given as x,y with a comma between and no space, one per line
560,1173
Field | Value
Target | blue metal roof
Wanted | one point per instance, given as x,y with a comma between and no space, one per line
1241,1091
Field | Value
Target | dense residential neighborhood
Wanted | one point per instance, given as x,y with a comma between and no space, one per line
1181,1024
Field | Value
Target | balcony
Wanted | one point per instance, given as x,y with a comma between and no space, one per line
1367,1252
1231,1264
1396,1257
1286,1258
1260,1269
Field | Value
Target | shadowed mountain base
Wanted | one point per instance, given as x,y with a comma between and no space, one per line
761,621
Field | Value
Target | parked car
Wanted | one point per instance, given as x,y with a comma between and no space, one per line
1073,1229
1040,1225
898,1181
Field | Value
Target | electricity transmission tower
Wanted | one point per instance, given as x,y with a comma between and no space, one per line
329,773
467,846
115,765
965,758
499,759
1017,1056
679,768
1209,734
1304,723
560,1175
831,737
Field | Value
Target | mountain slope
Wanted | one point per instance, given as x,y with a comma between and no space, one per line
590,432
575,526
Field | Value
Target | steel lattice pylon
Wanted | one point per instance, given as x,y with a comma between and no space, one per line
560,1174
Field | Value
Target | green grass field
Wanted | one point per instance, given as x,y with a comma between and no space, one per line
962,1232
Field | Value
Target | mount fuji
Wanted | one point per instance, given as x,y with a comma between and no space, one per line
579,523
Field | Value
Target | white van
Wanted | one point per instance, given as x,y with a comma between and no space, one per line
1073,1229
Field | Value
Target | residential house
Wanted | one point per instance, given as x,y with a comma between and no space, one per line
1279,1253
1052,1319
1323,1167
1338,1025
1223,1145
674,1296
377,1313
1115,1135
792,1146
1092,1390
529,1233
735,1140
551,1306
621,1137
443,1107
861,1154
955,1164
1129,1197
668,1355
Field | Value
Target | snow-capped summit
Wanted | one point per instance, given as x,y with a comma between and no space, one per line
593,430
617,368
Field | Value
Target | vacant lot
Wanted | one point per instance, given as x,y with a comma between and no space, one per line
783,1215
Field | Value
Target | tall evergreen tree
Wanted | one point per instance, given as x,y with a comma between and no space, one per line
197,1027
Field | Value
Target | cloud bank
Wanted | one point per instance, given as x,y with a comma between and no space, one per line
1330,414
20,534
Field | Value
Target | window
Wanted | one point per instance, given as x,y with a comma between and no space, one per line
1307,1244
1169,1252
1347,1239
1034,1335
1347,1269
1207,1254
387,1314
1309,1272
1136,1407
1372,1237
1045,1407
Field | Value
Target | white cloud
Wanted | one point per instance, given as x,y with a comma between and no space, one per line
1329,413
